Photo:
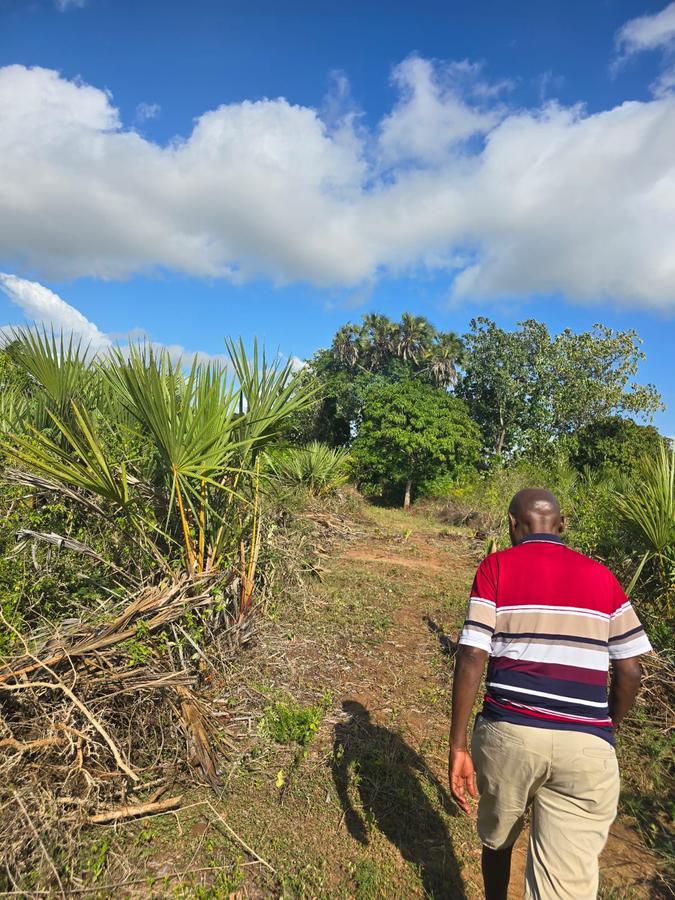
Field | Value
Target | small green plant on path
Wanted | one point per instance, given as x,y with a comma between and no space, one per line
287,722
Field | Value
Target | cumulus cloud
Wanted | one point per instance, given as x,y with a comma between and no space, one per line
651,32
505,201
432,117
45,309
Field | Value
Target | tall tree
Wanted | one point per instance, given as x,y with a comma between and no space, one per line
443,357
360,355
415,337
614,444
525,389
412,432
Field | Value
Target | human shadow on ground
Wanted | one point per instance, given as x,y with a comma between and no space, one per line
376,765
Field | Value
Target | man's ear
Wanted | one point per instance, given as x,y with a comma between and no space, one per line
513,520
563,523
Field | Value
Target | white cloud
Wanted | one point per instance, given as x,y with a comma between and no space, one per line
47,310
655,32
63,5
431,117
648,32
511,202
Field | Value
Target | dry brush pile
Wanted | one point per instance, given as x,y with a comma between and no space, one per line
107,711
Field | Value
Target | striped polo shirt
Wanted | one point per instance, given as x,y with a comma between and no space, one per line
551,620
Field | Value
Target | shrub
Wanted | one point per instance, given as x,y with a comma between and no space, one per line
318,467
613,445
646,510
412,433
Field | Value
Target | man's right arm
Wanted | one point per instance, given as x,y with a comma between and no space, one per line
626,678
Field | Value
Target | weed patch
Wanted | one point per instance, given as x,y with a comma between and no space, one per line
287,722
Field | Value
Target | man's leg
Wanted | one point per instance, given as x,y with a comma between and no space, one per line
496,865
511,762
571,817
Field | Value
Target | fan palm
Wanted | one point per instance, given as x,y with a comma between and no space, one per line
414,338
647,511
378,337
442,359
320,468
190,437
346,345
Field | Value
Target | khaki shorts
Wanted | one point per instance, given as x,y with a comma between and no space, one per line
571,782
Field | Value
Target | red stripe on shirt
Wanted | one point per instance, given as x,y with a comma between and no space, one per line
550,670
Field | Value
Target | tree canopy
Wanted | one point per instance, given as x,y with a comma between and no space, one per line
378,349
526,388
614,444
412,432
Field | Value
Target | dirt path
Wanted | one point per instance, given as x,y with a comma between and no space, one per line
378,639
362,811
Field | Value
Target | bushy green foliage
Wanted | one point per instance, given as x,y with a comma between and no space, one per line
377,350
613,445
318,467
586,501
40,581
412,432
526,389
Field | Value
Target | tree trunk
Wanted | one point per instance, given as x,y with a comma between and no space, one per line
408,492
502,434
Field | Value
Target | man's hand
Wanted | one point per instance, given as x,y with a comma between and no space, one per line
462,778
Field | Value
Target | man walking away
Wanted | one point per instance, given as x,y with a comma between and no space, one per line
550,620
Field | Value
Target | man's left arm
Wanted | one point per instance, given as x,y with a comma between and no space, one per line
469,667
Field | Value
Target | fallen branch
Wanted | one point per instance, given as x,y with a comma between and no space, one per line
160,605
139,809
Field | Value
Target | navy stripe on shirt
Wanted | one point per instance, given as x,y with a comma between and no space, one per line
516,635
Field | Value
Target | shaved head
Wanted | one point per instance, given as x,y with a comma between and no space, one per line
534,511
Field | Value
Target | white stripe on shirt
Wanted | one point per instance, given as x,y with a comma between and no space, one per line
561,610
482,600
581,657
571,700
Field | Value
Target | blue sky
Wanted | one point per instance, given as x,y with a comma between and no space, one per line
451,159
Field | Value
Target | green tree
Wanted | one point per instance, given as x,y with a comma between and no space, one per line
412,432
526,389
378,349
614,444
